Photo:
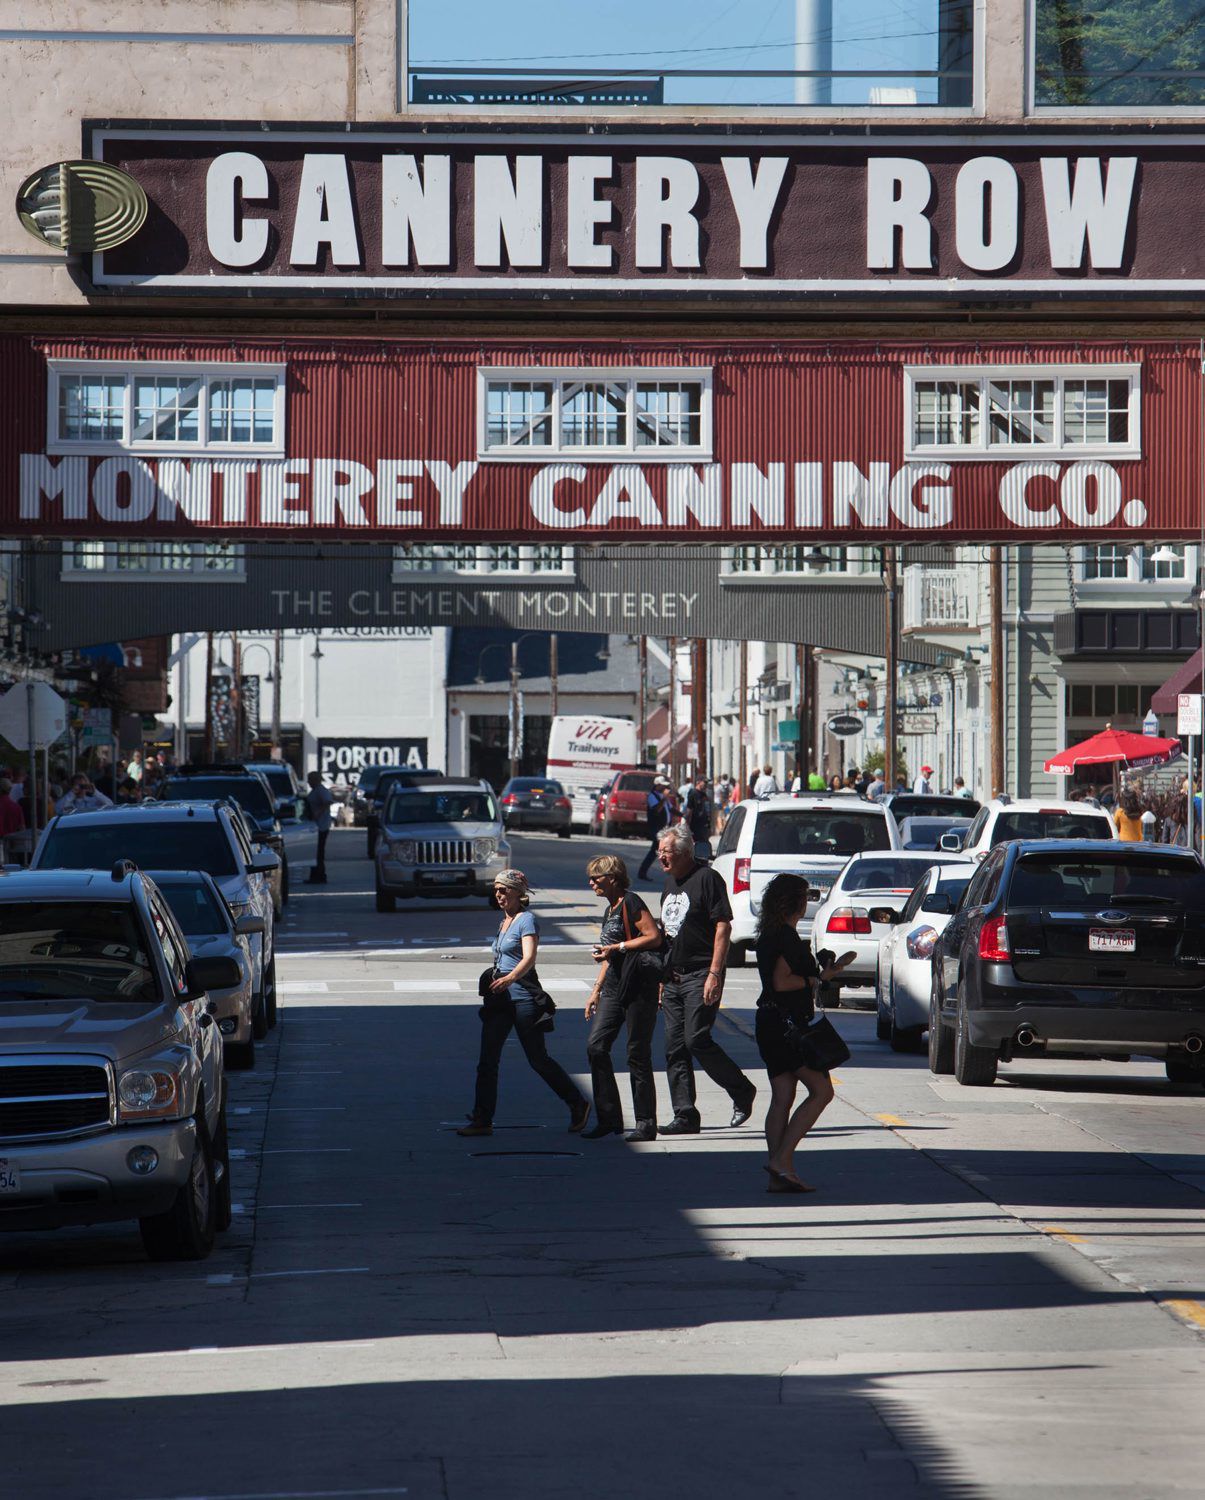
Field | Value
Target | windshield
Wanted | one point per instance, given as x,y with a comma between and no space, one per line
250,794
1074,881
182,844
841,831
1050,825
194,906
635,781
368,778
883,874
73,950
278,779
905,806
925,833
441,807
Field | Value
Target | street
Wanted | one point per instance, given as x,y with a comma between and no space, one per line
994,1293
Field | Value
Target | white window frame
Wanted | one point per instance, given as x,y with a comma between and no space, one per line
1133,581
857,566
1145,112
71,572
525,573
133,370
560,376
982,451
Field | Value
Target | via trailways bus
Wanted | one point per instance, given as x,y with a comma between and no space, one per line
584,752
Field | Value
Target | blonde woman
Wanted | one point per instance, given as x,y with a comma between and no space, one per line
514,1000
625,993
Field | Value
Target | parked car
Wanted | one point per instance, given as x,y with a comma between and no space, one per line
182,835
286,790
112,1091
905,973
212,930
361,797
1089,947
929,805
623,806
927,833
391,777
1005,818
536,802
440,840
802,834
250,790
862,906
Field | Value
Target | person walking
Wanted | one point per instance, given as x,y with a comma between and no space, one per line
1128,817
877,787
789,978
515,1000
319,799
697,921
766,784
658,816
962,790
625,993
698,815
923,786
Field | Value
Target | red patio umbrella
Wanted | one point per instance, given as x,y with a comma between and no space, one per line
1113,747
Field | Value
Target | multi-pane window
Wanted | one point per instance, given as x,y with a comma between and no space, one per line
1106,562
1153,563
799,560
497,559
132,559
580,414
1115,55
166,409
961,413
1107,700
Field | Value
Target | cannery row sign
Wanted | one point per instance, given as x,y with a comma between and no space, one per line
306,208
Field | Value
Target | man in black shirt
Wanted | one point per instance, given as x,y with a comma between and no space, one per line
697,920
698,818
659,815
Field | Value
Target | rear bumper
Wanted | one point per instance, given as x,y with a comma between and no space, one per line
531,817
1145,1021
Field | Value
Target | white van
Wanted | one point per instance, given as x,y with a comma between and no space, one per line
584,753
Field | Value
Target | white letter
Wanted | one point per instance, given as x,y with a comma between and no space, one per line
898,190
451,484
184,486
232,179
543,495
694,492
1073,493
755,199
938,509
140,496
278,487
1013,501
339,483
625,496
758,494
584,211
864,494
1090,210
393,488
414,211
809,496
510,208
64,479
986,240
667,189
324,213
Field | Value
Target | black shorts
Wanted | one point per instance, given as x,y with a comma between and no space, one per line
779,1052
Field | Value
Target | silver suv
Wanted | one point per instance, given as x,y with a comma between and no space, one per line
442,839
112,1093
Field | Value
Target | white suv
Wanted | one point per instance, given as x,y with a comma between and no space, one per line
809,834
1005,818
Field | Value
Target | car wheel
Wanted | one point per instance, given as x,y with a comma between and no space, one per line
270,992
973,1066
738,955
186,1230
882,1021
385,900
259,1017
1180,1071
902,1038
941,1043
239,1056
372,842
563,833
223,1209
284,881
608,829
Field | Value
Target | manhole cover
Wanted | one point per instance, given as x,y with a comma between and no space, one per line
526,1153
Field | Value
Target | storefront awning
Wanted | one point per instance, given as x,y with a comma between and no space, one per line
1185,679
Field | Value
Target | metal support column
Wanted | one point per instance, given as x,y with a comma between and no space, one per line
996,657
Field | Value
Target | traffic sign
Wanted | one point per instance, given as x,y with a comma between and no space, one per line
1188,713
845,725
32,706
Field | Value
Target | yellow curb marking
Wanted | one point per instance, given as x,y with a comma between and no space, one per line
836,1077
1190,1312
890,1119
1063,1234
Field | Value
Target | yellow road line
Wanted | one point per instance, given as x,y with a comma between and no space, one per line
1063,1234
890,1119
836,1077
1186,1311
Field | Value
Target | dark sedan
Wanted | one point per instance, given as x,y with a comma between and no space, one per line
1077,947
536,802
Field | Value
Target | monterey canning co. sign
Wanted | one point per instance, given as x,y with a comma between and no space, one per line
307,209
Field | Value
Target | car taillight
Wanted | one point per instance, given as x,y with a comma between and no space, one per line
848,919
614,800
740,876
510,800
993,941
920,942
563,802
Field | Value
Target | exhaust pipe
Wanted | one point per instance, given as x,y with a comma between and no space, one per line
1193,1043
1027,1037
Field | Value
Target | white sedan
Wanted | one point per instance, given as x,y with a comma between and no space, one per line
862,907
905,955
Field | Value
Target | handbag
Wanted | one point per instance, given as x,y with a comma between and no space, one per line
820,1045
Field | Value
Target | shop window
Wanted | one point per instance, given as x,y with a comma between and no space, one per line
1079,700
1160,562
102,407
220,561
582,414
1115,55
497,560
1071,413
1127,700
801,560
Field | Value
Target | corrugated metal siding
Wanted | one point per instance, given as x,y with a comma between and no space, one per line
774,406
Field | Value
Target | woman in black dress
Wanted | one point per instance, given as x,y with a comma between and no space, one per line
789,979
624,992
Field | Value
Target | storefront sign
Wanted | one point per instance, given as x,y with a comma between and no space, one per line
344,759
303,208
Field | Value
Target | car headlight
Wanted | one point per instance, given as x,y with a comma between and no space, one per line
484,849
148,1093
405,850
919,942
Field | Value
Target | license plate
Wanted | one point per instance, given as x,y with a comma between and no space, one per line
444,877
1112,940
10,1176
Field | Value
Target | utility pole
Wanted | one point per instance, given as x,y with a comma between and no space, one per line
208,699
699,688
277,643
742,758
513,747
996,657
891,665
240,708
642,702
673,709
553,668
801,716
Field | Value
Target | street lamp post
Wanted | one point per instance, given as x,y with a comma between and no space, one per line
514,715
272,677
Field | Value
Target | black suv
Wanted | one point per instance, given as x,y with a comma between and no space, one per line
230,781
1073,946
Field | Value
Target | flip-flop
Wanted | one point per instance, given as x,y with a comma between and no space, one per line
780,1183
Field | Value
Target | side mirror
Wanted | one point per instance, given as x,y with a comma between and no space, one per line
951,843
885,916
249,925
219,973
263,862
940,904
260,836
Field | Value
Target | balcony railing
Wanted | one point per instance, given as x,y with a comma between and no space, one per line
936,599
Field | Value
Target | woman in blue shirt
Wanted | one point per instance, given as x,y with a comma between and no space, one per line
515,999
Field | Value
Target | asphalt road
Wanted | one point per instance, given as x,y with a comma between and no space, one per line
995,1293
